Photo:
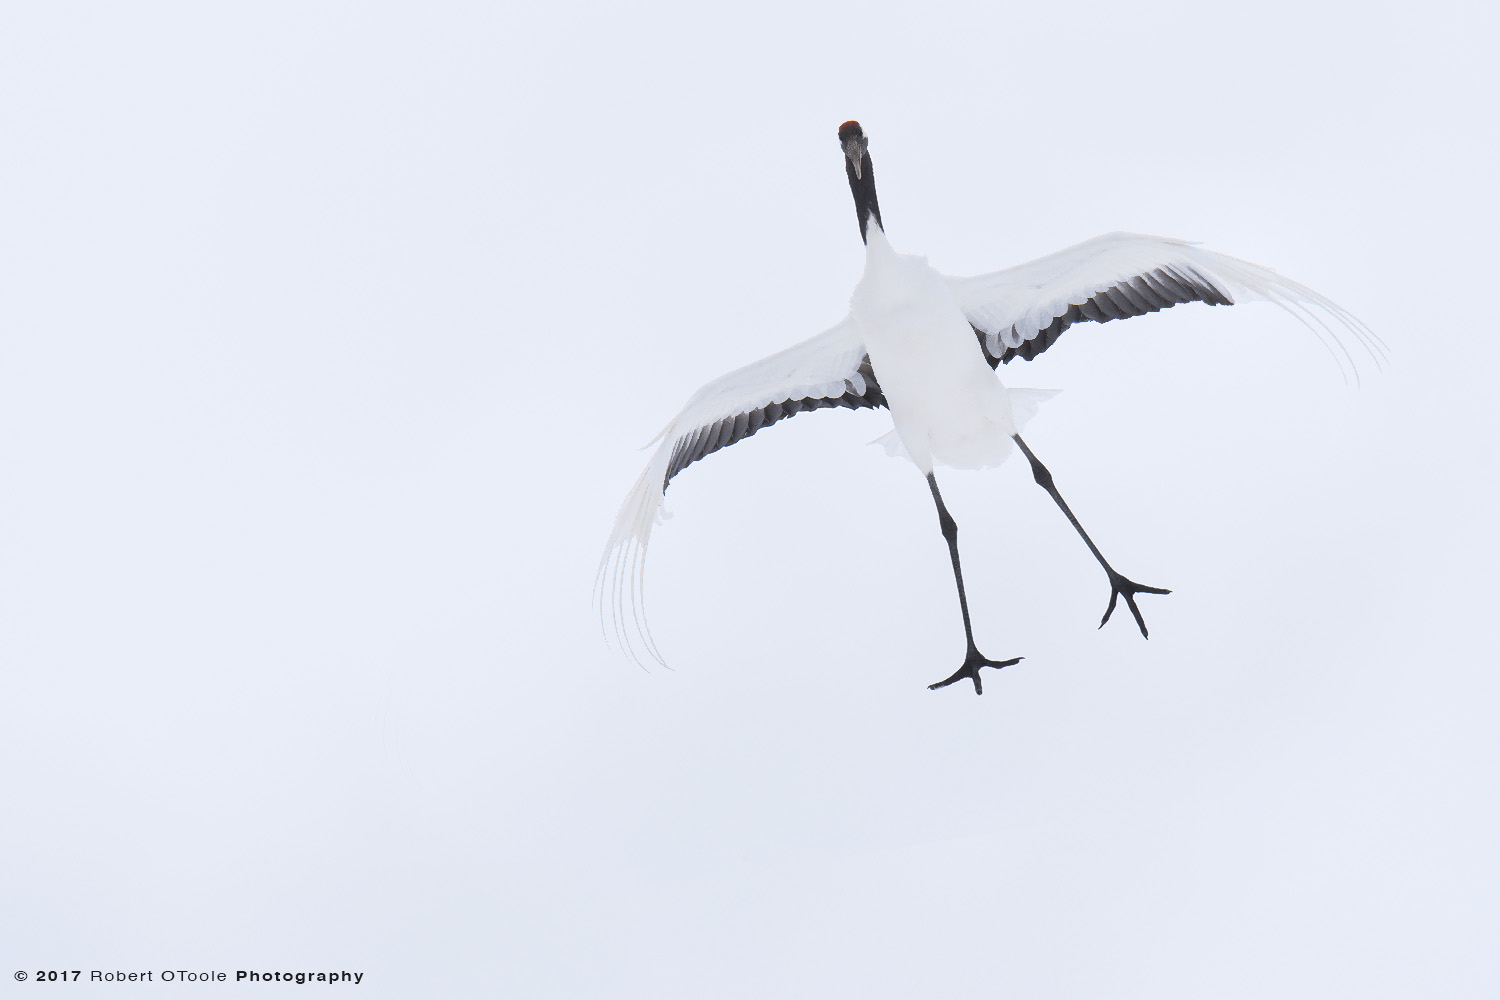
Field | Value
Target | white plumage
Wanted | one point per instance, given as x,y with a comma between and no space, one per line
822,367
1014,305
925,345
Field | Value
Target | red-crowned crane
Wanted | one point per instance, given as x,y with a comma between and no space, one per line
926,346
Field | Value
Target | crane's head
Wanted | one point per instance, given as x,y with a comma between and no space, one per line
861,176
856,146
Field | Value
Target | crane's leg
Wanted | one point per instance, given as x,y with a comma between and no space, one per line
1119,586
972,661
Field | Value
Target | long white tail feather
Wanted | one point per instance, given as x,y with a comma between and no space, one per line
622,569
1251,281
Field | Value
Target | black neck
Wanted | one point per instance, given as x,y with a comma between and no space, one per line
865,202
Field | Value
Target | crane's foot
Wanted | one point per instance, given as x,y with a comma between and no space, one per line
972,663
1121,587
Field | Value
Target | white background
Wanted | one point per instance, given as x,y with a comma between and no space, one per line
331,332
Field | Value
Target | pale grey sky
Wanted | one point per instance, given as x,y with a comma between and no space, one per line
330,336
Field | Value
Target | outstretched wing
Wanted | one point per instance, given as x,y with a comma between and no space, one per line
829,370
1021,311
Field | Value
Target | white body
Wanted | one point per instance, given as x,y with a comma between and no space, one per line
946,403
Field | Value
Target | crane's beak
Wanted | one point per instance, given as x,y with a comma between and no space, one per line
854,149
